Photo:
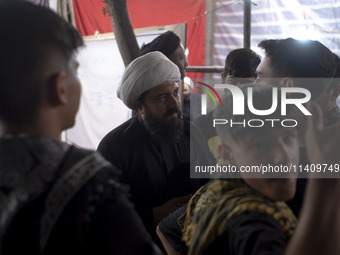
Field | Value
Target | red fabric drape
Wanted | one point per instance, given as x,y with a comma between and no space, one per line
89,18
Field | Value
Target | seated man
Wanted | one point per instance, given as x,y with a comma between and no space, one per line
153,148
54,198
245,214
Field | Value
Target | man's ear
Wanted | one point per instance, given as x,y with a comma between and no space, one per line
225,153
223,76
56,89
335,92
138,106
287,82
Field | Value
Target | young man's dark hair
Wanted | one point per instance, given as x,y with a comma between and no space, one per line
294,63
24,52
241,63
299,59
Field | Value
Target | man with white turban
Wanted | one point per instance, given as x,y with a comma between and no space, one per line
152,148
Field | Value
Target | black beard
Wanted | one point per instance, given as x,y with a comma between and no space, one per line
162,131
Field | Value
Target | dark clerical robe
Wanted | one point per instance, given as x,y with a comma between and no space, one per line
156,172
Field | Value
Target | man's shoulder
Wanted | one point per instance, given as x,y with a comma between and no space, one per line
78,161
250,233
87,169
121,139
130,129
191,128
75,154
124,128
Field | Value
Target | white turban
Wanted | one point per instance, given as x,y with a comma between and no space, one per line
144,73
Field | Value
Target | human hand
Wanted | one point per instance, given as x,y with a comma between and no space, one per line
168,207
322,143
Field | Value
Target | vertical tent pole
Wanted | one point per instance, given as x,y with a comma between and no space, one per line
246,23
71,11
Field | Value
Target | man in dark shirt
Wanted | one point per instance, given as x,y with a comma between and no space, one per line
289,62
153,149
237,213
245,214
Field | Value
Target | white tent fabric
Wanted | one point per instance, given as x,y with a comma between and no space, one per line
52,4
279,19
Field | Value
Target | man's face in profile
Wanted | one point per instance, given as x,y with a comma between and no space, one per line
264,72
274,147
180,60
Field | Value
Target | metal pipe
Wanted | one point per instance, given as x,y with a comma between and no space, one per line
204,69
209,34
246,23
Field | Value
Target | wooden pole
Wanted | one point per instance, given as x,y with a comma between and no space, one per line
71,11
246,23
64,9
59,7
126,39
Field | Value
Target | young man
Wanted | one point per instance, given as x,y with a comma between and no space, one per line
241,147
240,68
153,148
288,62
54,198
307,64
246,213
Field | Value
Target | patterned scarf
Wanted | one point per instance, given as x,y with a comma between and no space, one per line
211,208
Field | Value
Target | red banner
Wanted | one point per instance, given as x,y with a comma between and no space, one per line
89,18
